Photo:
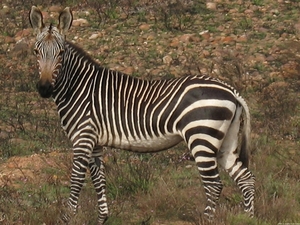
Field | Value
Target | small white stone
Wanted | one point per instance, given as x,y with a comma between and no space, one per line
93,36
167,59
211,5
80,22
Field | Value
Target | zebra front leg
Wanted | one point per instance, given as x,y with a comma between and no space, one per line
97,170
80,163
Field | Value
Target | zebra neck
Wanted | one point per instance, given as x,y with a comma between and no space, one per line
78,67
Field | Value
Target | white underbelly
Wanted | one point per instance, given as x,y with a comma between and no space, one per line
146,145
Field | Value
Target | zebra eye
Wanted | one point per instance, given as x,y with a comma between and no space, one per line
35,51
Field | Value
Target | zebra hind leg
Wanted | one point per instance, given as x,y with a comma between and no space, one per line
97,171
207,165
228,158
245,180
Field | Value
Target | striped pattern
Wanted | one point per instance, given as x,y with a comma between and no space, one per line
100,107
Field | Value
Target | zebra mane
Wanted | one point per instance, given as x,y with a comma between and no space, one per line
81,52
84,54
221,82
50,28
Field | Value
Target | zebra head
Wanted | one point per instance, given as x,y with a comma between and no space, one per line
49,47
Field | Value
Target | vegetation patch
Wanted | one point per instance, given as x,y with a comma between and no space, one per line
252,45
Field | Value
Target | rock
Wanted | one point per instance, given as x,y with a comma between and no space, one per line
260,57
22,33
297,27
175,71
242,38
211,5
18,141
248,11
284,35
290,69
275,75
262,30
182,59
94,36
157,72
270,58
174,42
227,40
167,60
195,38
205,34
87,13
234,10
21,46
45,15
150,37
5,10
128,70
186,38
4,135
160,49
55,8
205,53
9,40
80,22
145,27
275,12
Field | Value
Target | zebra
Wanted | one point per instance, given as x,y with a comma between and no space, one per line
100,107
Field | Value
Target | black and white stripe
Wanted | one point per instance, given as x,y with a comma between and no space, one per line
100,107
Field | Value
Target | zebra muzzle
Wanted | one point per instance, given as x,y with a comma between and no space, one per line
45,89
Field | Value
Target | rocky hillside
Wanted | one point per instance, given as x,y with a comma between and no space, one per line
252,45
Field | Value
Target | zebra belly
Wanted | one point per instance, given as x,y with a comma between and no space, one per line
154,144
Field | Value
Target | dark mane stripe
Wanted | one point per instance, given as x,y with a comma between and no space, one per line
81,52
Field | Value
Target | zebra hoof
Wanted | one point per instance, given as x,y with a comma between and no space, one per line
209,213
102,221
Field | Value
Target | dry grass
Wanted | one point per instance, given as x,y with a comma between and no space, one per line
159,188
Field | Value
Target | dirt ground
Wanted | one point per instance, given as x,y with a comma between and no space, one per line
18,170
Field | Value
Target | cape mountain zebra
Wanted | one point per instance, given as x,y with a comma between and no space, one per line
100,107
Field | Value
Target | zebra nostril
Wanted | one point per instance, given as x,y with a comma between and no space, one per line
45,89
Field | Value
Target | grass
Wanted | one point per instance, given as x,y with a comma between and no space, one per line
159,188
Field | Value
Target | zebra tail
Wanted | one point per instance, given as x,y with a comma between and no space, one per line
245,145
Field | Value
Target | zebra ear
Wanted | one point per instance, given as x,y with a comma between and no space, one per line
65,20
36,19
